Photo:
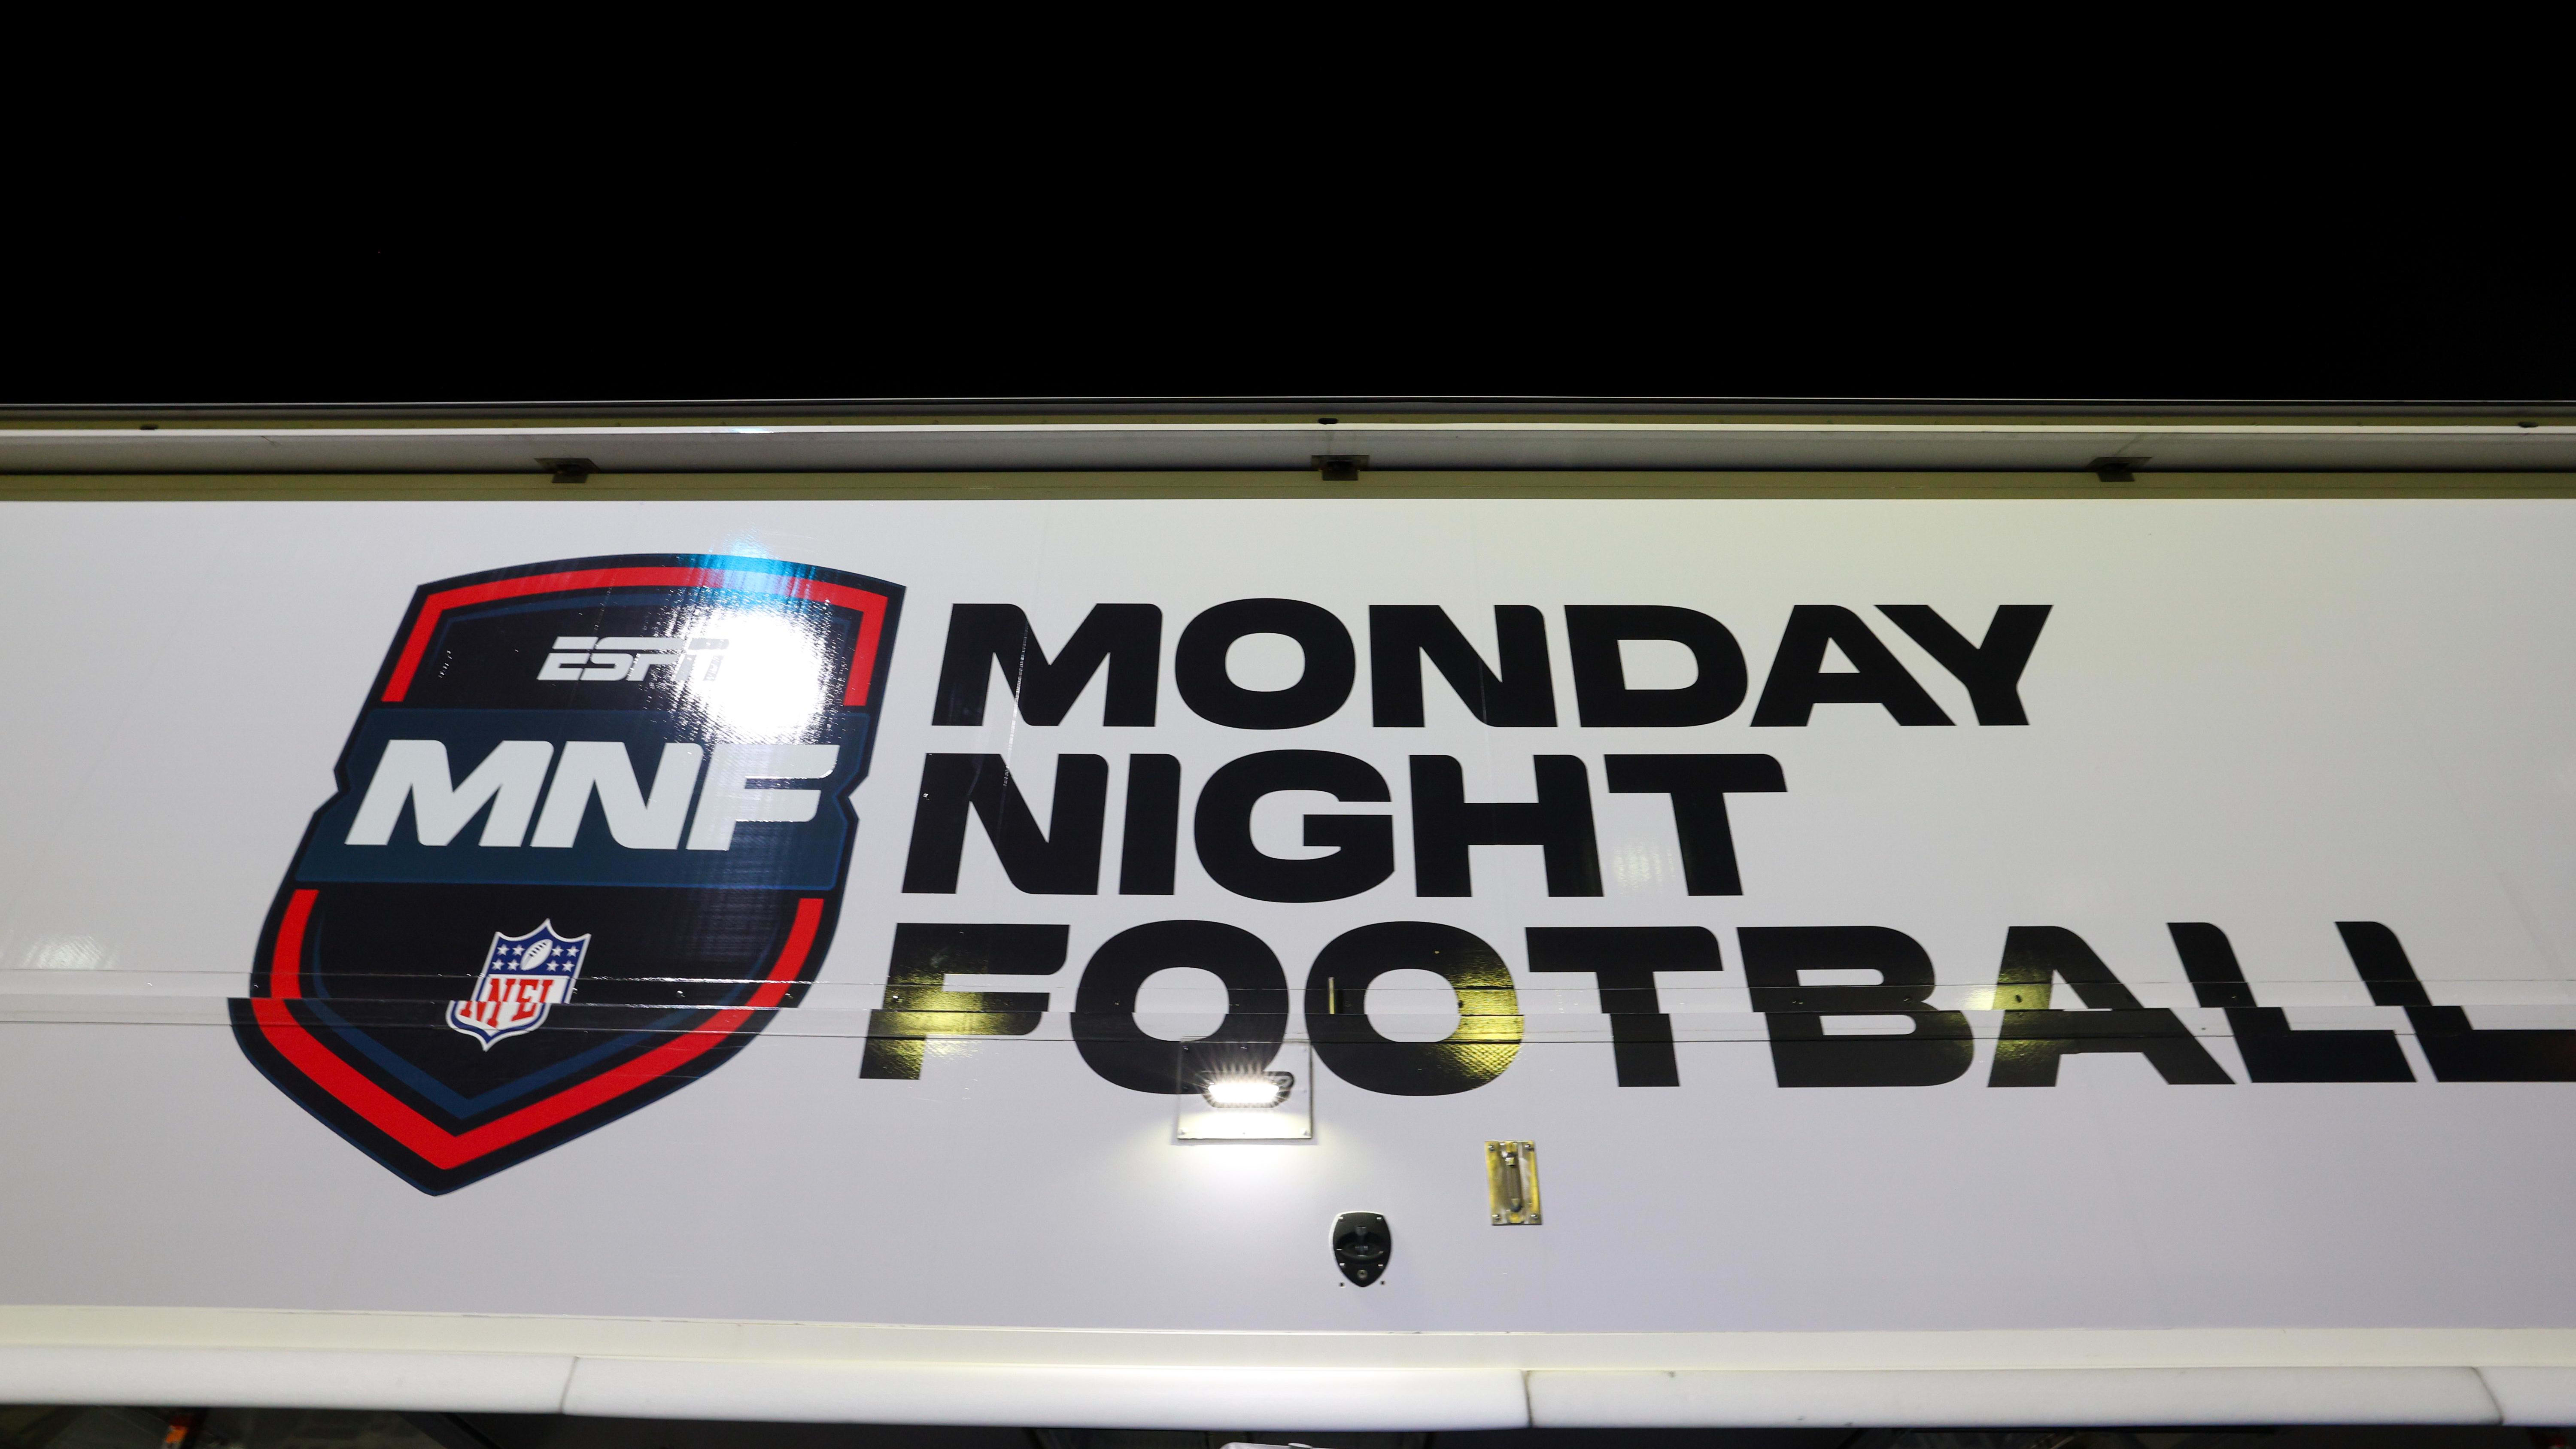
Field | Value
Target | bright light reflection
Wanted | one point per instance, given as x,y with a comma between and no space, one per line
772,677
1249,1089
68,953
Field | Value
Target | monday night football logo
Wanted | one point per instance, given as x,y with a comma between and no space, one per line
593,826
591,829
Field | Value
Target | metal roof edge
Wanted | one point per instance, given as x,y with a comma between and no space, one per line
1346,447
1461,407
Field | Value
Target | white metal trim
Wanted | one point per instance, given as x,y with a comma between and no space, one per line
1273,446
2537,1396
566,1336
2007,1398
1201,1395
1087,1397
301,1378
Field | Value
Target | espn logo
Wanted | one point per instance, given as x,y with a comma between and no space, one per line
579,657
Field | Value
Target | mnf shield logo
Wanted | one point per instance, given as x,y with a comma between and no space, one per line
590,833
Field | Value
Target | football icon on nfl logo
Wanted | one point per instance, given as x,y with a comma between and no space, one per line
522,976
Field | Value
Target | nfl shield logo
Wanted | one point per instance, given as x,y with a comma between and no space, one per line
522,976
656,751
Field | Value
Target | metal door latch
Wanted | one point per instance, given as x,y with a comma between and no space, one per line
1362,1244
1511,1183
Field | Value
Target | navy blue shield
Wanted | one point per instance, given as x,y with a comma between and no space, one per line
590,835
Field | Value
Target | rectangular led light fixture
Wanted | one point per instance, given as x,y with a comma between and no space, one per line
1255,1102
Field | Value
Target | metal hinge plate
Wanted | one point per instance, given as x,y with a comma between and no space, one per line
1511,1183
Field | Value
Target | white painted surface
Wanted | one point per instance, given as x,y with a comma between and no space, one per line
2271,716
